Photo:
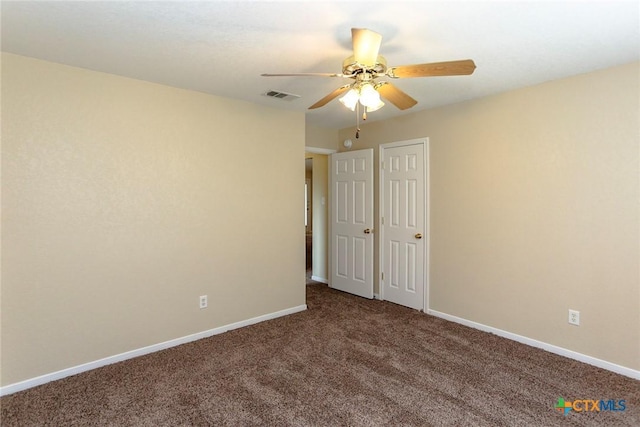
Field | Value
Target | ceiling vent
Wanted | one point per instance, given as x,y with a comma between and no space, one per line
281,95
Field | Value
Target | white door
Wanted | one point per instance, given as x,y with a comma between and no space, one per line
352,222
403,223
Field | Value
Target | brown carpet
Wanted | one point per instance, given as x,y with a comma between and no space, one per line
345,361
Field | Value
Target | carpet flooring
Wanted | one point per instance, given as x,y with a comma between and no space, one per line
346,361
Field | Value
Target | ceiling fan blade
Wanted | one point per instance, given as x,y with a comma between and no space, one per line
330,97
450,68
304,75
366,44
395,96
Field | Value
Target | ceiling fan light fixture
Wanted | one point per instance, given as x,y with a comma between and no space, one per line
369,97
350,99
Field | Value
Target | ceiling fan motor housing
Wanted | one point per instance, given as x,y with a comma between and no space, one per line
351,68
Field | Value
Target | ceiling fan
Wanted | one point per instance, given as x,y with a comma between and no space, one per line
365,67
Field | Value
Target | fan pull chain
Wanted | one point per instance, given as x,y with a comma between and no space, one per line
357,120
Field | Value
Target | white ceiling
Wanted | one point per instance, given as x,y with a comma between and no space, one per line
222,47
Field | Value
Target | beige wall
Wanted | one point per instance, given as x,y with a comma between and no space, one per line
535,209
317,137
123,201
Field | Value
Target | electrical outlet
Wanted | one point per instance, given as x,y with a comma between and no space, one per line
574,317
203,301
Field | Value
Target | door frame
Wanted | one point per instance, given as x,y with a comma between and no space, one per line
321,237
427,203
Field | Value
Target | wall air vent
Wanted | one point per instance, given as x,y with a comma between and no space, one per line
281,95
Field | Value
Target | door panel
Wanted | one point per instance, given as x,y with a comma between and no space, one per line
342,249
403,246
352,214
359,259
360,203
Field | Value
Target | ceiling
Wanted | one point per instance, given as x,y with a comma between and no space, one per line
222,47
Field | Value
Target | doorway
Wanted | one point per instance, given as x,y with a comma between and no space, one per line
308,216
317,229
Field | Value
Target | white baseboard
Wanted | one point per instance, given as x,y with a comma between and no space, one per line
623,370
320,279
43,379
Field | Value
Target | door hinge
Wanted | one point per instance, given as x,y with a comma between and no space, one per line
382,274
382,220
382,165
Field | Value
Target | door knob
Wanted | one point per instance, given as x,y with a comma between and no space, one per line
419,236
367,231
